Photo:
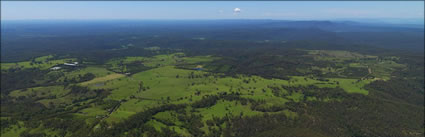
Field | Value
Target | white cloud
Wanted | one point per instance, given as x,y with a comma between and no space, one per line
237,10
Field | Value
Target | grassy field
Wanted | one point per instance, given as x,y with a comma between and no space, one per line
378,67
40,92
337,55
167,83
96,70
222,108
102,79
155,61
44,62
171,85
158,61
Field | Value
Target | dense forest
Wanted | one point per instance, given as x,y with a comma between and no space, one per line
223,78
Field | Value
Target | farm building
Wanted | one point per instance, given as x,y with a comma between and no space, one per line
55,68
71,64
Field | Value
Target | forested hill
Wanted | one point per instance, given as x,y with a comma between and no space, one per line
106,34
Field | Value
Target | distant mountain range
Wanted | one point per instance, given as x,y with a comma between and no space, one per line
393,36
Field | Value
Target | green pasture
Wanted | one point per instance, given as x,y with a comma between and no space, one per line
44,63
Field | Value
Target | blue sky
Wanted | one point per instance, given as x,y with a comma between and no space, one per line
286,10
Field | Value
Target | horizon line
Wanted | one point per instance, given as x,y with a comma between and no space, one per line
360,20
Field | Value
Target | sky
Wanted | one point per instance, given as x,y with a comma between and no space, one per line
283,10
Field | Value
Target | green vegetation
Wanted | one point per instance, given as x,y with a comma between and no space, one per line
103,79
176,94
44,62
